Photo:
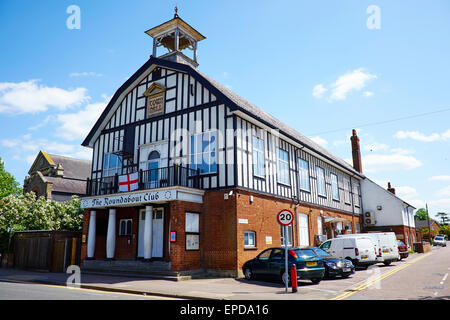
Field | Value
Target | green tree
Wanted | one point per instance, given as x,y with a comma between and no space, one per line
421,214
445,230
8,185
23,212
444,218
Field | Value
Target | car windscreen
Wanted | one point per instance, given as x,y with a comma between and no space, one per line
439,238
400,243
305,253
321,252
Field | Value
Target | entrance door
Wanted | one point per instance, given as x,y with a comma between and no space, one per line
158,233
303,229
153,166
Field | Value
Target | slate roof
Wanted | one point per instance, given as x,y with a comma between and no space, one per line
73,168
229,98
67,185
424,223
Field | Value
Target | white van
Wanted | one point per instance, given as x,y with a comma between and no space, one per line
360,250
386,245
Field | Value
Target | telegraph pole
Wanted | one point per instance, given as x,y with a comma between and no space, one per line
428,218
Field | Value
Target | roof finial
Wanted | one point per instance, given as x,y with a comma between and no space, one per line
176,12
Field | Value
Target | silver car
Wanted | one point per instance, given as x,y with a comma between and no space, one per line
440,241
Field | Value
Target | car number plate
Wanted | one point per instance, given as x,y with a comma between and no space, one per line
311,264
385,251
347,269
364,257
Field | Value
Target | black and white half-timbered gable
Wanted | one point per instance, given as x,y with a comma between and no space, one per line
171,133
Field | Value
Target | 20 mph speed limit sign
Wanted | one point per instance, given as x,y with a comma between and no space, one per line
285,217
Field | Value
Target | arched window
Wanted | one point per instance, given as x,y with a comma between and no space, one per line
154,155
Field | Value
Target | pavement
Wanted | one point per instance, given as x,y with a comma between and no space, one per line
211,288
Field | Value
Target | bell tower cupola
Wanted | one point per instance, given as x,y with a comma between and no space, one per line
177,37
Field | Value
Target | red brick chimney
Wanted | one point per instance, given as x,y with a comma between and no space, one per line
390,189
356,152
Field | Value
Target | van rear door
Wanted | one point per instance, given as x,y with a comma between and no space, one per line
366,249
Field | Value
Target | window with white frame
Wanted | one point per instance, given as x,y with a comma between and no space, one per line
249,239
125,227
203,152
319,225
288,236
258,156
283,166
346,191
303,174
192,231
334,186
112,164
321,190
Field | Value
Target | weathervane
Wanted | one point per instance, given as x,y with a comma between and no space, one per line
176,12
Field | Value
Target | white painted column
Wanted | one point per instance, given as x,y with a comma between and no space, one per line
111,235
91,234
148,232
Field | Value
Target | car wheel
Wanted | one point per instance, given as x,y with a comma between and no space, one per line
386,263
248,274
316,280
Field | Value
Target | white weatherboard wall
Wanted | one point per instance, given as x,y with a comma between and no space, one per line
393,212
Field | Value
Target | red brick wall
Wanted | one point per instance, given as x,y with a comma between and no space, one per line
180,258
218,240
261,215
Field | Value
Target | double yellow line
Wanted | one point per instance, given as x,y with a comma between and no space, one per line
367,284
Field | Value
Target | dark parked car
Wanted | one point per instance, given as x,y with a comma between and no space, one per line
402,250
271,263
334,266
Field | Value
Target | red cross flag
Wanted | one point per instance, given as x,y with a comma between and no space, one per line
128,182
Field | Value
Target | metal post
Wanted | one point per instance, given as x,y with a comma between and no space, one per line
429,227
286,272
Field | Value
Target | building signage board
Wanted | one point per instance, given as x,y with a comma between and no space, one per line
129,199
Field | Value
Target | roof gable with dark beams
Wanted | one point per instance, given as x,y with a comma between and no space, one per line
226,96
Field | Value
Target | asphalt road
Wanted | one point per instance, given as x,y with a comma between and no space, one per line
35,291
420,279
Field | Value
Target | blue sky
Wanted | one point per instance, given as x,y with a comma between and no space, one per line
315,65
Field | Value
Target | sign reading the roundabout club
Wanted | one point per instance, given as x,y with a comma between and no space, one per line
129,199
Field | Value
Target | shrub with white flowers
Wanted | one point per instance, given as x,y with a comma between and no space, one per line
24,212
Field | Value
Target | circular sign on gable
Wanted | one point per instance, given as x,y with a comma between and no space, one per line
285,217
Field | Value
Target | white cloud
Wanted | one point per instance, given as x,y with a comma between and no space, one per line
30,97
320,141
375,146
402,151
389,162
405,192
440,205
318,91
439,178
355,80
76,126
85,74
29,148
445,192
416,135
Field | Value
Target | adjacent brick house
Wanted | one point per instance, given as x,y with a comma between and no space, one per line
427,224
188,174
